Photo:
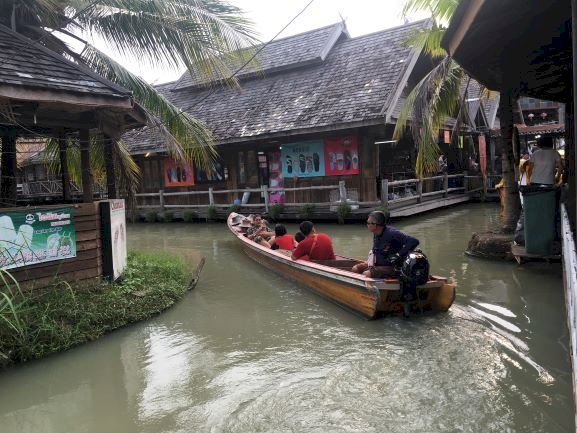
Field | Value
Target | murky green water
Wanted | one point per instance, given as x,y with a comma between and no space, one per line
249,351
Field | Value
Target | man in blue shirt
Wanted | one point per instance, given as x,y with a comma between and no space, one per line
390,246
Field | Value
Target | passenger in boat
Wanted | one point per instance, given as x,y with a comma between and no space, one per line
299,237
282,240
259,231
317,246
390,246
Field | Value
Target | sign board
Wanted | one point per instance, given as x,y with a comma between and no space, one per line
113,226
177,174
341,156
304,159
36,236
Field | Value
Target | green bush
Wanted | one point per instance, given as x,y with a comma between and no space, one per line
307,211
211,213
234,208
150,217
168,216
275,211
34,324
189,216
343,212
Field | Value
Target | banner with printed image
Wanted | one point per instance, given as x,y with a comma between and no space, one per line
177,173
275,177
305,159
341,156
36,236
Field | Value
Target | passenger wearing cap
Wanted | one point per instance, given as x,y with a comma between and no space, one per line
390,246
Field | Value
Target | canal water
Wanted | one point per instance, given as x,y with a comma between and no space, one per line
249,351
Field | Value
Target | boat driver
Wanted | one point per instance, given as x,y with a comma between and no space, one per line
390,246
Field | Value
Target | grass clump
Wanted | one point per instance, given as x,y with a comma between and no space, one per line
168,216
189,217
343,212
211,213
275,211
308,211
234,208
37,323
150,217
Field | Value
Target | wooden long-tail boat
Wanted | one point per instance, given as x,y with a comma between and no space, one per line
333,280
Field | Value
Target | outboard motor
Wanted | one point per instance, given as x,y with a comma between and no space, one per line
414,272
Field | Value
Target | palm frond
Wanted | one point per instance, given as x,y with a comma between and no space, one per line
172,33
428,40
429,104
441,10
185,137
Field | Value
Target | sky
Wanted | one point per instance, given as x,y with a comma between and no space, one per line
270,16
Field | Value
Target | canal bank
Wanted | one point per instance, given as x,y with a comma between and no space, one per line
250,351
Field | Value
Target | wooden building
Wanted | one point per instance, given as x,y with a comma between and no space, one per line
321,108
43,95
522,48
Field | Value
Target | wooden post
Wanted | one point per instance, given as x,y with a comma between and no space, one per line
8,168
465,182
109,143
419,190
161,199
64,174
265,193
210,197
385,194
87,191
446,184
342,191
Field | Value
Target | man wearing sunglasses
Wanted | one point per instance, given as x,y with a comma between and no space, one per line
390,246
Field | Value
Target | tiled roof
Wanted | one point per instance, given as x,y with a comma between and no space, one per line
282,54
25,63
353,86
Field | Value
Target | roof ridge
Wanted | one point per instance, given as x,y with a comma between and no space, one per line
423,21
340,23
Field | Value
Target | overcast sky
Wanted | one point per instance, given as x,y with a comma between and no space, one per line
270,16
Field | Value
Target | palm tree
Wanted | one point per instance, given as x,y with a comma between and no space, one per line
203,35
439,95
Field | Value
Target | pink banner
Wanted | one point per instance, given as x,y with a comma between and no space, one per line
341,156
177,174
483,154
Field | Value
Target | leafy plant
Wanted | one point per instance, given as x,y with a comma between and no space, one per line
211,213
189,216
150,217
343,212
168,216
275,211
234,208
308,211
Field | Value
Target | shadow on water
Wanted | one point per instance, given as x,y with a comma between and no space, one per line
250,351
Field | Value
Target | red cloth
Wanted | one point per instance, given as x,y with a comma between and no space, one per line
285,242
317,246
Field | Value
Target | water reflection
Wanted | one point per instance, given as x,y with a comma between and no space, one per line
250,351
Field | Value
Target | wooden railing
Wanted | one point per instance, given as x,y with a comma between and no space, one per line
393,194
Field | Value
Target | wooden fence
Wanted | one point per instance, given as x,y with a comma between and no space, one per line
393,195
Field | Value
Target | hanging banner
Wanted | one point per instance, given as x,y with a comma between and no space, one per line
304,159
214,174
177,173
114,256
36,236
341,156
483,154
275,177
447,136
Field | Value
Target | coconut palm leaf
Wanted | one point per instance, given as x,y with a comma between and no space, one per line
429,104
185,137
441,10
428,40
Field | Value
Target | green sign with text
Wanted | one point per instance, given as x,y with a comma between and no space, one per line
36,236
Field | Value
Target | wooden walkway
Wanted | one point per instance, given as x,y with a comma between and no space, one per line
401,198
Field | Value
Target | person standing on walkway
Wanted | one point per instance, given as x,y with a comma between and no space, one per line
545,163
390,246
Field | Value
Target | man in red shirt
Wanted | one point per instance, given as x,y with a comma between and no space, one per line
316,246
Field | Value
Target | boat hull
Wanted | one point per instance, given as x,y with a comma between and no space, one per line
368,297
